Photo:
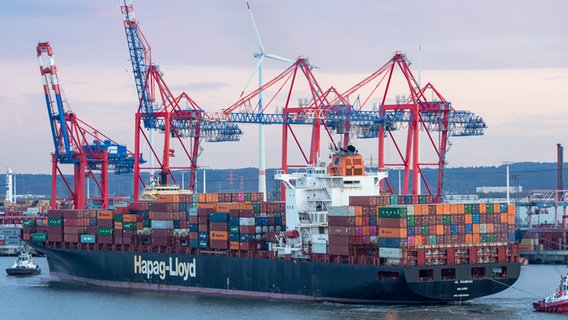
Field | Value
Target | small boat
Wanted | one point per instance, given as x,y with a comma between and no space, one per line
556,302
24,265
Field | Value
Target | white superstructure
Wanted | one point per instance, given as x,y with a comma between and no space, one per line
312,193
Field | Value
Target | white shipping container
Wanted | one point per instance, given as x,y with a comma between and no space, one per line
319,248
342,211
395,253
246,221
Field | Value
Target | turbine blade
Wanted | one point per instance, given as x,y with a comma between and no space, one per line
257,34
254,71
277,57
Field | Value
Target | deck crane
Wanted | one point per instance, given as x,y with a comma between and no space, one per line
71,141
177,117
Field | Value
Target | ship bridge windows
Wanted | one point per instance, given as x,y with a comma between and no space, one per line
426,275
499,272
478,273
448,274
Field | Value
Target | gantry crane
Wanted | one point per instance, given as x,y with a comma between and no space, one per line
332,112
177,117
72,146
327,111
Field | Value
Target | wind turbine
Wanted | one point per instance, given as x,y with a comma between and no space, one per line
261,134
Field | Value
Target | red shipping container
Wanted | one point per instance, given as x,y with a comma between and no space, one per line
104,239
338,250
340,230
245,246
70,238
162,233
203,228
55,237
218,244
219,226
159,241
54,214
337,240
138,206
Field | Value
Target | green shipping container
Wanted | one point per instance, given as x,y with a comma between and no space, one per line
234,229
447,219
104,231
393,200
39,236
29,223
117,217
432,239
425,230
129,225
88,238
247,197
410,221
468,208
256,207
489,207
392,212
55,222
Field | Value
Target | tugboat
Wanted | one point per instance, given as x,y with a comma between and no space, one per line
24,265
557,302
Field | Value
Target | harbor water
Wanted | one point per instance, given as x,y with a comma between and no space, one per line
38,298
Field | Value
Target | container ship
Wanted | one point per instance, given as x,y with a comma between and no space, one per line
335,238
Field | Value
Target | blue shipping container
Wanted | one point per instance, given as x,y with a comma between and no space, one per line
218,217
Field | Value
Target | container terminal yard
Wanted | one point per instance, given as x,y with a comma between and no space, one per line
332,217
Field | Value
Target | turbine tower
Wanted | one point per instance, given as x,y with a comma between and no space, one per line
9,185
261,134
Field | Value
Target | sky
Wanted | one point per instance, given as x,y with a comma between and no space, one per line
503,60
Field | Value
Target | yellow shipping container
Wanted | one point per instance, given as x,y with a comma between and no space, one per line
511,209
476,228
173,197
482,208
440,229
417,240
104,214
128,217
234,245
469,238
511,219
358,211
359,221
393,232
496,208
418,209
118,225
218,235
476,237
461,208
504,218
366,230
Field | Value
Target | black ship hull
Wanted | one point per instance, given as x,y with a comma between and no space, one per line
22,272
274,278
